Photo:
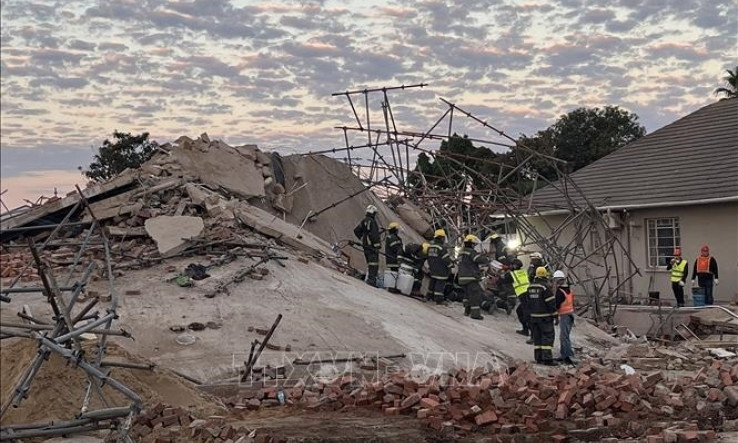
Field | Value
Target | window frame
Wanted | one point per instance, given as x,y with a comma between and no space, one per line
676,239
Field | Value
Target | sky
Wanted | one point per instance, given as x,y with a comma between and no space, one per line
258,72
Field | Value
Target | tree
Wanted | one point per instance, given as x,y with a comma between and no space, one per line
587,134
126,151
732,80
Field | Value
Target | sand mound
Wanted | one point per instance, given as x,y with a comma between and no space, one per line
58,389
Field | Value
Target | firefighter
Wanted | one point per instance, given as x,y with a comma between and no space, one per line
469,276
368,232
439,262
536,261
542,306
414,256
392,247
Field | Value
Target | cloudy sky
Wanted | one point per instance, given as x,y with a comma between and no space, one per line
263,72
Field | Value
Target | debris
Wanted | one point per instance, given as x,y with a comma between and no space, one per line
172,233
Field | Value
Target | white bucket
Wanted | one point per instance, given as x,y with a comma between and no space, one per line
406,269
390,279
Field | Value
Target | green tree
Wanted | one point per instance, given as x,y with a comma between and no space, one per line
732,80
587,134
125,151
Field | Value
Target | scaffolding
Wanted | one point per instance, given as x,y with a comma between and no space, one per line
582,241
62,334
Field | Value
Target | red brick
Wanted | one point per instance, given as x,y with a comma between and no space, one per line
428,403
654,439
561,411
566,396
606,403
410,401
391,411
485,418
424,413
731,392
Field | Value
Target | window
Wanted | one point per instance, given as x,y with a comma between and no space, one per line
662,238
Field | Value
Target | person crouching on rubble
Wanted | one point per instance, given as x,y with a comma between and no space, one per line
542,308
565,306
469,276
439,265
368,232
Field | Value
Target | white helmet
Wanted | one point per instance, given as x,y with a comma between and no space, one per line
537,255
371,209
559,274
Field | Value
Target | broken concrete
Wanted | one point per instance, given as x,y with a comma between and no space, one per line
171,233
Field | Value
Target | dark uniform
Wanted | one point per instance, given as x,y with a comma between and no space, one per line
392,250
412,255
439,260
469,277
368,232
542,306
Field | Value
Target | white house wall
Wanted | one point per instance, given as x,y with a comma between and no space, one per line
715,225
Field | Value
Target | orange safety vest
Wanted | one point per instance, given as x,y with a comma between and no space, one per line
567,307
703,264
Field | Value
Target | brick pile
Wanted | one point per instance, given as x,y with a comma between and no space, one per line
12,264
589,399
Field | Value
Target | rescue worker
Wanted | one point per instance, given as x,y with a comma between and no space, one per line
496,242
413,255
536,261
679,268
542,305
368,232
469,276
705,272
439,262
518,278
392,247
565,307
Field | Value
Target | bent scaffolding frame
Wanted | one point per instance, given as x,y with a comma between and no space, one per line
596,259
62,335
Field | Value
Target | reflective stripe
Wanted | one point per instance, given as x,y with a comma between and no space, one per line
373,263
545,347
395,243
567,307
677,271
520,281
542,315
467,279
552,298
438,277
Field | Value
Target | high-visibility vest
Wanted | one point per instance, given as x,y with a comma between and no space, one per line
677,270
567,307
520,281
703,265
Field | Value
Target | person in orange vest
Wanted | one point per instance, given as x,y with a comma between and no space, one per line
679,268
565,310
705,272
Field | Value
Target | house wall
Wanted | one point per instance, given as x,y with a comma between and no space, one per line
715,225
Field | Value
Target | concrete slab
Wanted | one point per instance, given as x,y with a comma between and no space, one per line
172,232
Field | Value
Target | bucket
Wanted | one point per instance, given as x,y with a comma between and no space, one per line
390,279
406,269
698,296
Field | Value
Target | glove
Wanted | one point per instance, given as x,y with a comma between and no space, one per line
717,282
681,283
694,283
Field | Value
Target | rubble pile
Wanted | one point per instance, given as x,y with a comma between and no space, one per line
591,400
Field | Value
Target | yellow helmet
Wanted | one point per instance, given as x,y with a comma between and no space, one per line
493,236
471,238
393,225
426,246
541,272
439,233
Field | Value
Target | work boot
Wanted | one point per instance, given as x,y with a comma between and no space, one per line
569,361
549,363
467,311
477,317
529,342
522,332
508,308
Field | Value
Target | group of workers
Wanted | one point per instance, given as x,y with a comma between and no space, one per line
540,304
704,274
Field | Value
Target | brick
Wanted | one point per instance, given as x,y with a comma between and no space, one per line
485,418
606,403
392,411
731,393
410,401
428,403
561,411
424,413
654,439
